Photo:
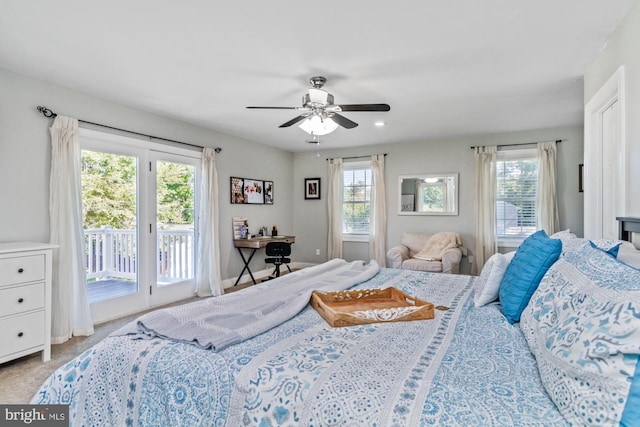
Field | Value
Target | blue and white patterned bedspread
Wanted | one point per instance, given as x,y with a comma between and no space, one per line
468,366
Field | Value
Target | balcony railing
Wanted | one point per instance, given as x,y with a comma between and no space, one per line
111,253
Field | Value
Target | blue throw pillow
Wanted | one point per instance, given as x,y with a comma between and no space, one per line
532,260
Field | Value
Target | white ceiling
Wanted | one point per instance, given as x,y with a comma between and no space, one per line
447,68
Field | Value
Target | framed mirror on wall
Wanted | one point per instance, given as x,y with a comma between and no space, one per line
428,194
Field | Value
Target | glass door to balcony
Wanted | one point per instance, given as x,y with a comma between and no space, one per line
110,212
175,224
139,212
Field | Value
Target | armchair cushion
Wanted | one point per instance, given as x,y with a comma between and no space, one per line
422,265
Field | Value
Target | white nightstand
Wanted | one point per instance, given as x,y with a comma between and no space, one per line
25,299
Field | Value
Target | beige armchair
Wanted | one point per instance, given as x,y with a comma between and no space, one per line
404,255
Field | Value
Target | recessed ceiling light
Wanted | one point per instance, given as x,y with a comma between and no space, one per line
380,124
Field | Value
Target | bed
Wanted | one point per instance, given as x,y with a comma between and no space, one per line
467,366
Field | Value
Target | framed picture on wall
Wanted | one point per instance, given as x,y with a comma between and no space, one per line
251,191
312,188
268,192
237,195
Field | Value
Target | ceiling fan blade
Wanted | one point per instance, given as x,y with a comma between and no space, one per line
365,107
277,108
343,121
294,121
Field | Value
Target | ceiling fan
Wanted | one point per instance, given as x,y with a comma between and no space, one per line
319,115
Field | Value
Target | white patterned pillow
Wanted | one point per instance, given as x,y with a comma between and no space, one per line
609,246
583,326
488,284
569,240
564,234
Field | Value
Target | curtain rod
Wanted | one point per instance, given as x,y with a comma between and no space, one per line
50,114
522,143
357,157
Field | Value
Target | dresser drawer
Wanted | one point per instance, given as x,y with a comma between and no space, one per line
18,299
22,332
21,269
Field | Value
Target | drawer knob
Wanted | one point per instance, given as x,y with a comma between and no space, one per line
21,270
20,300
20,334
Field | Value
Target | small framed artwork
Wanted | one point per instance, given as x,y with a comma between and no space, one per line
253,192
268,192
237,195
312,188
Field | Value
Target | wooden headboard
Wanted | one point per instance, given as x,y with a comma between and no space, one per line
626,226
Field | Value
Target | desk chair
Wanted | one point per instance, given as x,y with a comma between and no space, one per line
277,253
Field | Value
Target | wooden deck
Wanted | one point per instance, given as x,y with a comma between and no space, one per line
110,288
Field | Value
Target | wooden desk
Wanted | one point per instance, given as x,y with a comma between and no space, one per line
253,245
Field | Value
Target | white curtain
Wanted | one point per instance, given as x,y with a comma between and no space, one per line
547,199
71,314
378,232
485,206
334,241
208,279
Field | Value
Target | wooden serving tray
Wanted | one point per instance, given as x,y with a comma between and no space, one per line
362,306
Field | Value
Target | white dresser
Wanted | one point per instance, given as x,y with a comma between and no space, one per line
25,299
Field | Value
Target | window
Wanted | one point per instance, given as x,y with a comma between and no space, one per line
356,198
517,182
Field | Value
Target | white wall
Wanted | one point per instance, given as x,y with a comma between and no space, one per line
622,49
25,157
451,155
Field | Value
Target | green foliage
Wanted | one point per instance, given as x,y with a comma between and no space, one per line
109,192
433,198
175,193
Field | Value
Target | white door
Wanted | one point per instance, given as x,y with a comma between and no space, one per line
610,170
172,228
139,209
604,153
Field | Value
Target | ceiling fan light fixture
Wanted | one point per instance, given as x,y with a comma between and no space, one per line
316,125
318,97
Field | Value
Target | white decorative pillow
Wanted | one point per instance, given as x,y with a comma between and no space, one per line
489,280
509,256
569,240
583,326
564,234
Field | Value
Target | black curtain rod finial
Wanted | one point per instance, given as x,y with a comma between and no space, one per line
217,149
47,112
